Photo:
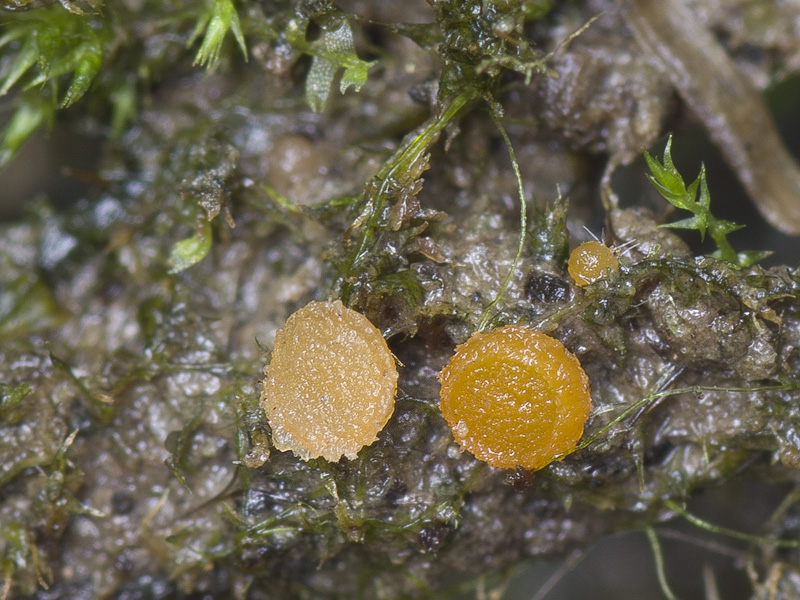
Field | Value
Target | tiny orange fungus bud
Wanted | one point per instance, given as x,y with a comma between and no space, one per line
331,383
515,397
590,261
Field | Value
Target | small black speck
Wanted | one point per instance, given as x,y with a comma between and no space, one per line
432,537
122,503
545,288
520,479
655,455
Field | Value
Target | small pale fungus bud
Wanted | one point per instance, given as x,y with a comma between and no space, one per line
590,262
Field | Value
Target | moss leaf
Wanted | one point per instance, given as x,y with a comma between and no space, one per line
696,199
216,21
318,83
10,397
33,110
334,50
190,251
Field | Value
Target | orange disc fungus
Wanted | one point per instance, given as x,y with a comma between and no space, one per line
331,383
589,262
515,397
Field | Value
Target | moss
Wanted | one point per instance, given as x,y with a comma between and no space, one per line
134,457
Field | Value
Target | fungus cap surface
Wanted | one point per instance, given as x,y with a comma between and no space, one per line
331,383
590,261
515,397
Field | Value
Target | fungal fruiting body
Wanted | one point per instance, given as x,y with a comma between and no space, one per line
590,261
331,383
515,397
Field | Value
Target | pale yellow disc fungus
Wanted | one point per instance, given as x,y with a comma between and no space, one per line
331,383
515,397
590,262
